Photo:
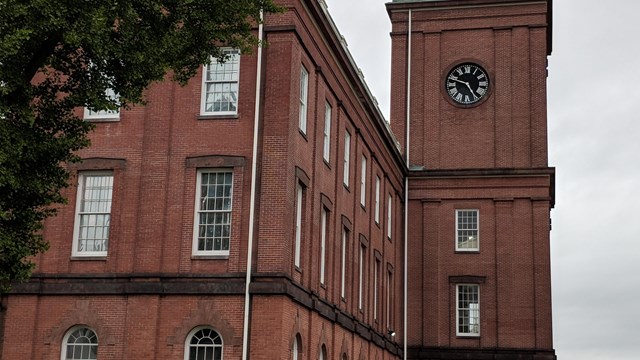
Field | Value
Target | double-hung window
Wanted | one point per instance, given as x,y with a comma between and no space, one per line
326,149
347,157
212,223
323,242
93,213
304,90
363,182
220,85
376,271
377,204
389,216
343,262
298,235
103,115
388,304
467,230
361,275
468,310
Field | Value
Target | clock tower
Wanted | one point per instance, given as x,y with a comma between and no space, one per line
469,110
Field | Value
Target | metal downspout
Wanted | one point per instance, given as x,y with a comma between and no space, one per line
252,206
406,188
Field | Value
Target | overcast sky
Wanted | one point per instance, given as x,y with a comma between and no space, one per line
594,143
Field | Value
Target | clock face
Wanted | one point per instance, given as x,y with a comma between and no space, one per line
467,84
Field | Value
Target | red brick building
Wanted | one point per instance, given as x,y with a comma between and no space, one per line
479,187
278,164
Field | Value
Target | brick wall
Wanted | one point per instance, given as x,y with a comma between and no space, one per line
150,291
491,157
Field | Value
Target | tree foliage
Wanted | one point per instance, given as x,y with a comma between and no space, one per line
58,55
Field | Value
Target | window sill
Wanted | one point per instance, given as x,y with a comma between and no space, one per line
217,117
304,135
468,336
326,163
467,251
102,120
88,257
210,257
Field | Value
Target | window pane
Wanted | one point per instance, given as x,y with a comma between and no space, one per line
214,214
94,216
220,84
467,229
81,344
205,344
304,84
327,132
468,309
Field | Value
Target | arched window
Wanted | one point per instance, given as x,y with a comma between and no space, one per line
80,343
203,343
323,353
295,350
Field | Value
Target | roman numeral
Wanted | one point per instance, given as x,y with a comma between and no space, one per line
459,71
481,76
467,99
453,91
451,84
481,91
459,97
467,69
483,83
453,77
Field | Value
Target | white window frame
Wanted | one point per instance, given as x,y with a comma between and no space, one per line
464,231
377,200
65,342
304,97
376,271
298,234
324,215
361,269
343,262
389,216
363,181
103,115
472,312
232,58
326,149
192,333
347,158
197,210
388,307
78,237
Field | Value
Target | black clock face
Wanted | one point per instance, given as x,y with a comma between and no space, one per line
466,84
